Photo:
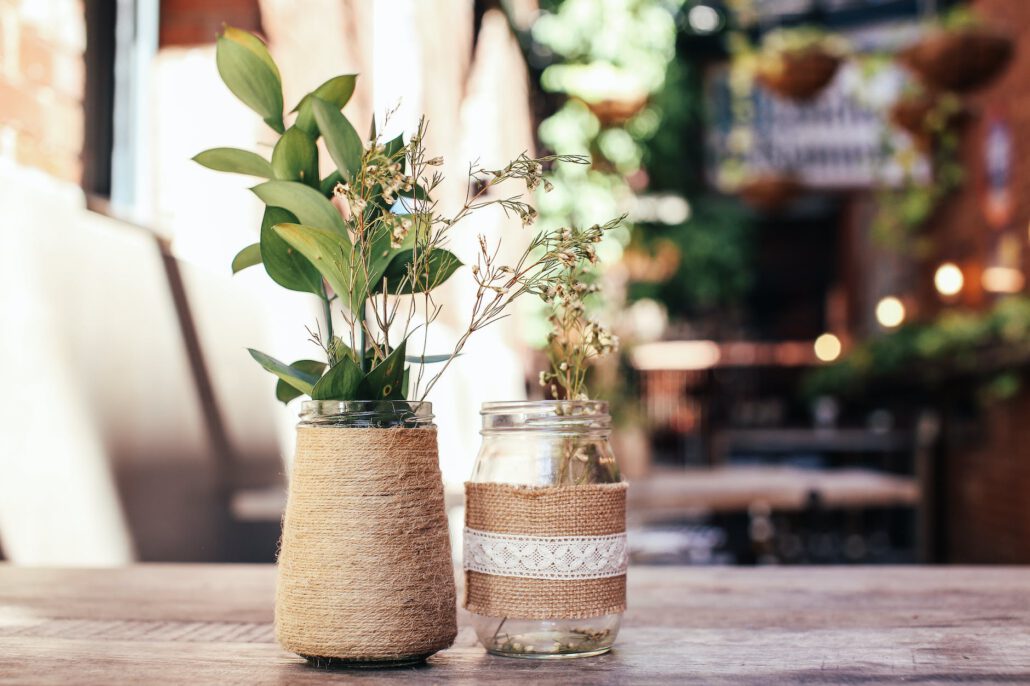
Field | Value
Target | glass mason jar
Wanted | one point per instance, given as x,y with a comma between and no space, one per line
546,444
365,571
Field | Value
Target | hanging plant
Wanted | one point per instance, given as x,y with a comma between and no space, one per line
933,121
612,112
798,64
924,115
959,54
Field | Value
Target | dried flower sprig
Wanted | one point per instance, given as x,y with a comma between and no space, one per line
539,266
575,340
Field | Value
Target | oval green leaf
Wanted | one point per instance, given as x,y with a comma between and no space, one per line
248,257
254,44
236,161
336,91
287,267
247,69
298,378
328,253
341,139
295,158
310,207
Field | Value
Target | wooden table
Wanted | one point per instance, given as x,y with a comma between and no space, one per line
779,488
207,624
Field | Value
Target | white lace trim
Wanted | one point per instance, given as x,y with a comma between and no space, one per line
545,557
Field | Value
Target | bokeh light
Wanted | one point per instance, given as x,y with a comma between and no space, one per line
703,19
948,279
890,312
827,347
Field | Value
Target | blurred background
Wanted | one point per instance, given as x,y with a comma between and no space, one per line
820,287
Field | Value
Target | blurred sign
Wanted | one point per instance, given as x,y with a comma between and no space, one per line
838,12
834,141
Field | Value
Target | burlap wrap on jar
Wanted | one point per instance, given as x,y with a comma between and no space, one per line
365,570
545,552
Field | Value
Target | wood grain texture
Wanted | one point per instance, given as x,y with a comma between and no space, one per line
207,624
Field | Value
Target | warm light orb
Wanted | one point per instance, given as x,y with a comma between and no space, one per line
827,347
948,279
890,312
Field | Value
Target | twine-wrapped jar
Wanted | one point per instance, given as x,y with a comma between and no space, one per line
365,572
545,531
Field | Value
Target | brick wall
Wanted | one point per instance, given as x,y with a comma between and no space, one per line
197,22
988,489
41,84
988,480
960,228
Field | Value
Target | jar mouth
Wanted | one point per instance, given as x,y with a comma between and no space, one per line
564,416
368,413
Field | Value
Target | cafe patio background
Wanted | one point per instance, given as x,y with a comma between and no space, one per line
135,426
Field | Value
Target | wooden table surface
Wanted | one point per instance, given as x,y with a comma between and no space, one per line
780,488
210,624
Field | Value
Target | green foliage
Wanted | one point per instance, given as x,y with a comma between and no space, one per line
247,69
401,277
307,244
715,259
903,209
324,249
958,341
346,381
295,157
343,239
336,91
296,377
341,139
284,392
308,205
342,382
386,380
235,160
287,267
664,138
248,257
716,243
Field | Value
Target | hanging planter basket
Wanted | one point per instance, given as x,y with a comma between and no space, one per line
799,74
770,193
914,113
960,60
616,112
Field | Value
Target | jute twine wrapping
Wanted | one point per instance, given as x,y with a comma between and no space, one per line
365,560
587,510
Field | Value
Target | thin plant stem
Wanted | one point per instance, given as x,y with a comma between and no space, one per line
361,339
327,312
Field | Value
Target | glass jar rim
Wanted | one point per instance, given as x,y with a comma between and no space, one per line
564,416
508,406
373,412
